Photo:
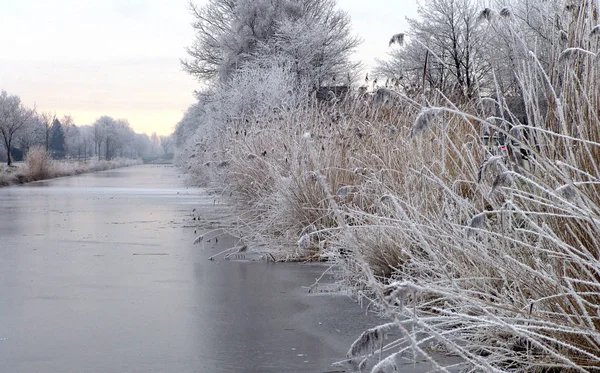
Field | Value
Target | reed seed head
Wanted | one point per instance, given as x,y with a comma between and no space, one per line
397,39
486,14
570,54
505,12
424,119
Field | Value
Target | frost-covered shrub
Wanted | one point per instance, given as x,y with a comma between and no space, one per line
256,96
260,91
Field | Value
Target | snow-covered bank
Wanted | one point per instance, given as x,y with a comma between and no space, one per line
39,167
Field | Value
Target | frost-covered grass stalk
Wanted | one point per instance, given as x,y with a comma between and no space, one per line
487,253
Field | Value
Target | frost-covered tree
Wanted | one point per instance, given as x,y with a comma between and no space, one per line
185,131
317,46
166,143
259,90
257,93
444,50
471,45
313,34
83,141
113,138
47,118
123,143
13,117
68,124
73,138
33,133
142,145
99,136
155,141
103,128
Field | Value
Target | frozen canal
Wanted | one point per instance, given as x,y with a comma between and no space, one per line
98,273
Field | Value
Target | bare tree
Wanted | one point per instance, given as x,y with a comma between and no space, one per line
142,145
67,123
100,127
13,116
115,136
31,134
47,118
81,139
155,140
123,138
86,135
166,142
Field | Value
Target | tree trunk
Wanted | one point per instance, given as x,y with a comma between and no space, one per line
7,145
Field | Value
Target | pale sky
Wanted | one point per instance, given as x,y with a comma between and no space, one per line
120,58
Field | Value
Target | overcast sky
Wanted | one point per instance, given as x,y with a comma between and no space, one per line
120,58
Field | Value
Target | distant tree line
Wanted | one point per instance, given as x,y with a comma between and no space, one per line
22,128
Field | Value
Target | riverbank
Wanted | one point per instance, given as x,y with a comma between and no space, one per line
43,169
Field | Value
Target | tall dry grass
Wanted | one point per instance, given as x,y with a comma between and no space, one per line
38,165
488,253
498,258
465,246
